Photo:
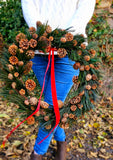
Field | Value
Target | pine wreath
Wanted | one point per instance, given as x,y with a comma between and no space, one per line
23,90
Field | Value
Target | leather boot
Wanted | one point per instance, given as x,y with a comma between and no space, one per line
35,156
61,151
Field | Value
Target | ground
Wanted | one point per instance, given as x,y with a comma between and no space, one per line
91,138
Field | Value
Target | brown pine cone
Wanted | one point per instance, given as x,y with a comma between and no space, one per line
76,65
87,58
65,115
82,68
87,67
44,105
64,120
88,87
73,108
83,46
75,79
88,77
75,100
33,101
60,103
46,118
61,52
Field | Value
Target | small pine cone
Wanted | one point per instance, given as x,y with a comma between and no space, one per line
13,60
100,81
94,77
31,120
65,115
91,65
63,39
16,74
46,118
90,92
76,65
33,101
92,101
61,52
80,106
82,68
32,30
27,68
30,84
83,46
32,43
60,103
94,86
21,51
11,92
20,36
88,87
87,58
51,38
79,52
13,49
48,126
42,112
88,77
81,93
93,52
48,29
64,120
44,105
69,37
71,116
73,108
74,43
75,100
42,38
32,108
22,92
75,79
38,24
30,54
20,63
10,67
87,67
26,102
10,76
37,114
35,36
45,34
24,44
13,85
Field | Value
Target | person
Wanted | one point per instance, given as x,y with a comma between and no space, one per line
59,14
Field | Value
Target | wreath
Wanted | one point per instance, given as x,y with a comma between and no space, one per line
21,86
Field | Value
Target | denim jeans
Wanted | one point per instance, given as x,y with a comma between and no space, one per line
64,73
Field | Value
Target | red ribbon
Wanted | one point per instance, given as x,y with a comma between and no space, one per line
54,98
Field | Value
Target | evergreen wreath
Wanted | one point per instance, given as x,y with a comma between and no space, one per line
23,90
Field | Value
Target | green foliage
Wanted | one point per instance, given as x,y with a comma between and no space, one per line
99,30
11,19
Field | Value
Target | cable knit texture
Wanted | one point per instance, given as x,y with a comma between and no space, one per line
59,13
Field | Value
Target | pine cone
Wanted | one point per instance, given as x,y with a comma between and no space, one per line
82,68
44,105
88,77
75,100
60,103
76,65
33,101
87,58
88,87
73,108
61,52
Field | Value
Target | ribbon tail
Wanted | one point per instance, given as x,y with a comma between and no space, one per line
54,96
37,109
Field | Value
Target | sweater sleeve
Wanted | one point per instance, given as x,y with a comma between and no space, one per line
30,12
83,14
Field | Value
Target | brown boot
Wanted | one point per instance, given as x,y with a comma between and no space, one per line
61,151
35,156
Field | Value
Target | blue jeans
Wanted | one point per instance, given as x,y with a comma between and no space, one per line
64,73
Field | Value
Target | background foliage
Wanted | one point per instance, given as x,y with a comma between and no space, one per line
11,19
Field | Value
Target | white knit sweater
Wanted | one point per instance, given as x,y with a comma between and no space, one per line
59,13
